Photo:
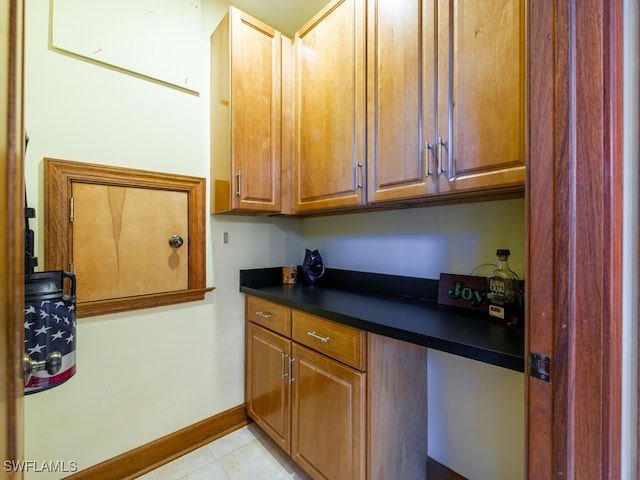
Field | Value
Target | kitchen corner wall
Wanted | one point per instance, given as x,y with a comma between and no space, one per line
476,410
148,373
422,242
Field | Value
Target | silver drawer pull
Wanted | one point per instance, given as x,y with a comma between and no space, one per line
263,314
318,337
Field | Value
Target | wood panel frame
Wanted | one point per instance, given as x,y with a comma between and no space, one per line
397,418
58,178
574,237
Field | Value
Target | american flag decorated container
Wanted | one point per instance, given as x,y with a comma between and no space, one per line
49,330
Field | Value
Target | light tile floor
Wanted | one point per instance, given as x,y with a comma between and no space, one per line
246,454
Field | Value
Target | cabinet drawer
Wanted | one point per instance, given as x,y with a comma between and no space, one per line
270,315
341,342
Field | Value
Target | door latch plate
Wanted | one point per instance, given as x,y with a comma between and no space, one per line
540,366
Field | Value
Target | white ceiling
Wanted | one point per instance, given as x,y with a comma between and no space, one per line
287,16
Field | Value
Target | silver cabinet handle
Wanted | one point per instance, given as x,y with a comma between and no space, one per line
428,147
441,143
284,374
291,379
318,337
360,176
263,314
238,183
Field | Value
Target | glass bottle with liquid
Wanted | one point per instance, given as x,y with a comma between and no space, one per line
503,291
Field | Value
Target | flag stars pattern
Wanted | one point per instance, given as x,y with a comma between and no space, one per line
42,319
42,330
37,349
57,335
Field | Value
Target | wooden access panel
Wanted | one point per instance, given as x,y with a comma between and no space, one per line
121,241
112,227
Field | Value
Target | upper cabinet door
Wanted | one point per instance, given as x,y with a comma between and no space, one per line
246,115
330,108
401,99
481,109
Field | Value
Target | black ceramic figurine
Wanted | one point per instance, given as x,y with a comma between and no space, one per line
312,266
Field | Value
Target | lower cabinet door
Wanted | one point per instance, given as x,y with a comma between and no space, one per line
328,416
267,383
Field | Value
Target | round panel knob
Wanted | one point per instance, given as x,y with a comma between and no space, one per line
175,241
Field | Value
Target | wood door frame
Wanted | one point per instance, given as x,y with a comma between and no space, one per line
574,237
554,298
59,175
12,241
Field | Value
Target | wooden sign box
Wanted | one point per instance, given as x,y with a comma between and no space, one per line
463,291
469,292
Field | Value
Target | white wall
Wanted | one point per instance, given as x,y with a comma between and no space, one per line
145,374
476,410
421,242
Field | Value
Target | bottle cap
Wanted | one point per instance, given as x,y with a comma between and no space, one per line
503,252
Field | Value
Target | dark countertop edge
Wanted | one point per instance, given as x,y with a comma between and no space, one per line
473,352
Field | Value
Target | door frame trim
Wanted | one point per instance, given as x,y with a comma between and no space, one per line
12,148
574,237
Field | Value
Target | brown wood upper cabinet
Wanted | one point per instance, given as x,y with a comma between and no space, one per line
445,97
401,101
481,109
392,101
443,88
246,115
330,94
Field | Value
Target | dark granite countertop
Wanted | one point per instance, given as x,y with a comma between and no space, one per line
404,308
